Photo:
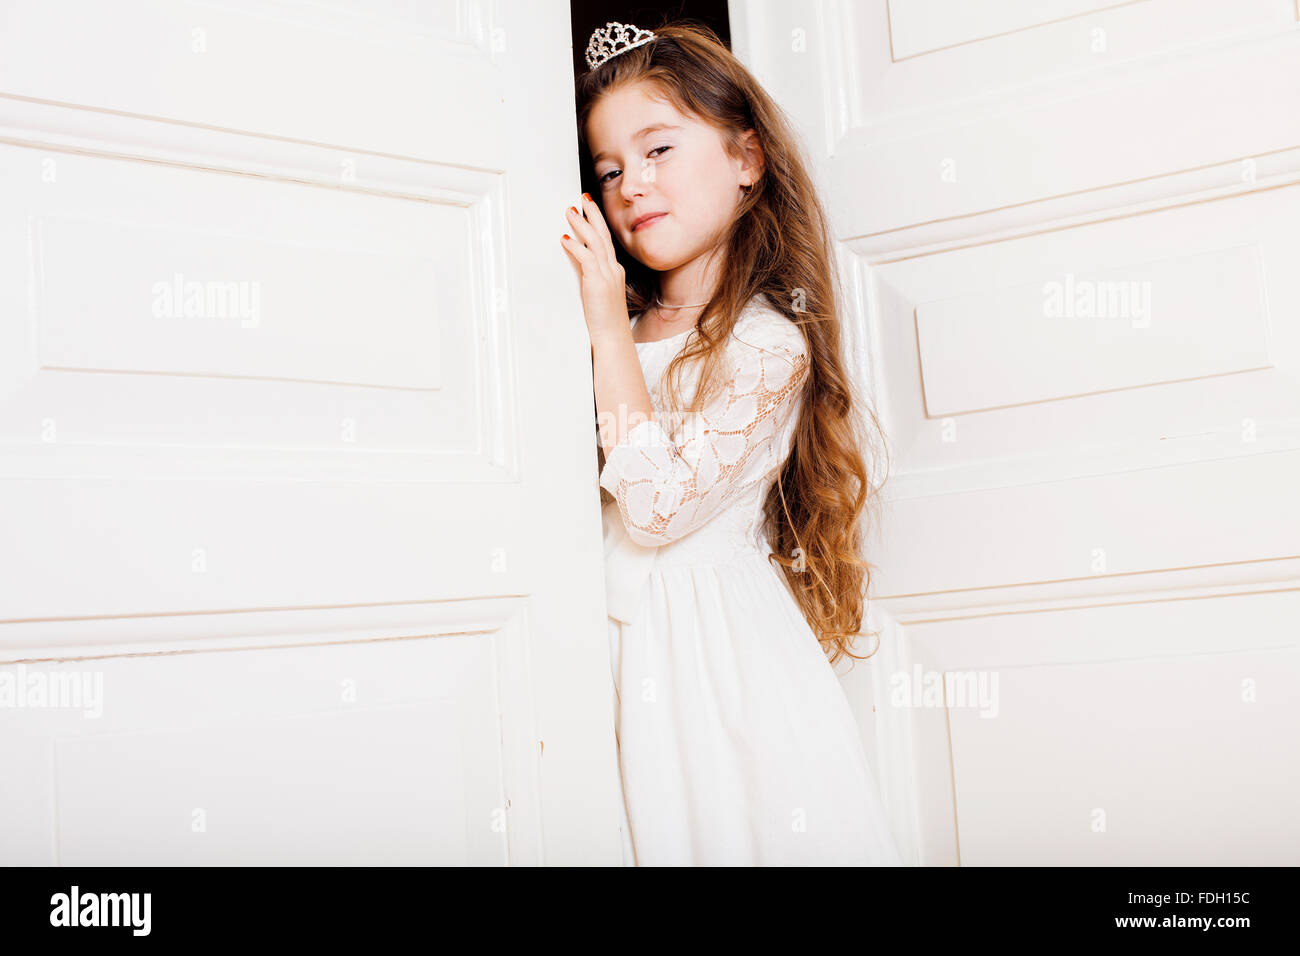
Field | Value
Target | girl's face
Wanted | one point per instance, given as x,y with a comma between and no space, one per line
651,160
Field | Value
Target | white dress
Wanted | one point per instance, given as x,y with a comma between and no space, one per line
737,745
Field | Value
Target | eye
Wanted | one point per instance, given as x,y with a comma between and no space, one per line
606,178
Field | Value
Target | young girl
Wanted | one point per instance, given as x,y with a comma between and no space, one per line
732,534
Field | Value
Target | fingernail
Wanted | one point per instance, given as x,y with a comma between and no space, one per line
567,236
573,209
588,198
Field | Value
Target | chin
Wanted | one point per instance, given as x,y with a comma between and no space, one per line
657,259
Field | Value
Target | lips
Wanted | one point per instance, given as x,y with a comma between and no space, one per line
648,220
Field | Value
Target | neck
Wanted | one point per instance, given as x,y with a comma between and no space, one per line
691,282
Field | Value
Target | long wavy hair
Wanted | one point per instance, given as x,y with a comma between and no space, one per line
778,244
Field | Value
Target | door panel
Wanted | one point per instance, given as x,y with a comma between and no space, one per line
1069,231
283,277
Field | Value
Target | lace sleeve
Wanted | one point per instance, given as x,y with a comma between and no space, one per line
665,488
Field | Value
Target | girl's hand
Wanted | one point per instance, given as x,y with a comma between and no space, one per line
604,284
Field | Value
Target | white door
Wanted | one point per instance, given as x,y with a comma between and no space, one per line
1071,231
299,493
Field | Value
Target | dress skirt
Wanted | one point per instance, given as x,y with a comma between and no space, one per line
737,745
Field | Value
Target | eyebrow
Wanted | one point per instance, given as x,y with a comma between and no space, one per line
638,134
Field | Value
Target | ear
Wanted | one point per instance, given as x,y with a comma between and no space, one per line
752,164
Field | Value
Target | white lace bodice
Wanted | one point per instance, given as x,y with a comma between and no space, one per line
693,488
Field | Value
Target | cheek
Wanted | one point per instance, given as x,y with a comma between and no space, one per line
705,201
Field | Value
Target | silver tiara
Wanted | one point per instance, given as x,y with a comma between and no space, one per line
614,38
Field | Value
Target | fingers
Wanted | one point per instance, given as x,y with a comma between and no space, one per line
582,229
580,253
574,264
596,219
592,231
590,237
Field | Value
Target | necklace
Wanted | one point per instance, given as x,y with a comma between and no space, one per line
660,304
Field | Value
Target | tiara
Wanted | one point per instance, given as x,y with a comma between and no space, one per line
614,38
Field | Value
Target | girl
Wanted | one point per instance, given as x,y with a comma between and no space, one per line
736,742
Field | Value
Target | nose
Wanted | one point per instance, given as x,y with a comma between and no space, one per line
632,183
